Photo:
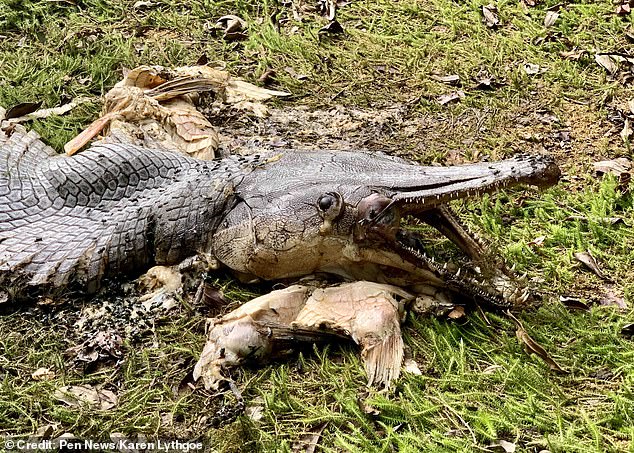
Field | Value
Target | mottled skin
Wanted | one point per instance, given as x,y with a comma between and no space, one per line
70,222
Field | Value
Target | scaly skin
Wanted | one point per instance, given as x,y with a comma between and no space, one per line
71,221
117,209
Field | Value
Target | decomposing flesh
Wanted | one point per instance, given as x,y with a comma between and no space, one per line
69,222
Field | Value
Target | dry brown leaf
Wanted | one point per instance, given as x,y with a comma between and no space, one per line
456,313
309,441
532,69
626,132
492,369
411,366
607,62
588,260
255,411
233,27
45,113
613,298
551,18
617,167
537,242
43,374
453,79
572,55
144,4
332,28
503,445
454,96
606,220
486,81
573,303
532,347
366,408
45,431
22,109
78,395
490,13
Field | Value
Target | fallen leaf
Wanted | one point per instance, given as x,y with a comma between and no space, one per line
626,132
486,81
43,374
233,27
628,330
551,18
210,296
532,347
453,79
532,69
44,432
294,74
537,242
607,62
22,109
366,408
450,97
503,445
588,260
456,313
623,9
490,13
492,369
333,28
103,345
143,4
327,8
606,220
254,412
267,77
573,303
308,442
78,395
612,298
410,366
572,55
616,167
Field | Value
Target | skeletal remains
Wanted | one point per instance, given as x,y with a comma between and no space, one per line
67,223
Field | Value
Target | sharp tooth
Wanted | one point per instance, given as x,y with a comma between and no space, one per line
444,267
513,267
458,273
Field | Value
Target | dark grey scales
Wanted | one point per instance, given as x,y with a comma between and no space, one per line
116,209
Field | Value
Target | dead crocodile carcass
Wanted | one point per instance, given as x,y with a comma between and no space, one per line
68,223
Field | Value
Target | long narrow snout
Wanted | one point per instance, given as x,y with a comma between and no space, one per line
422,188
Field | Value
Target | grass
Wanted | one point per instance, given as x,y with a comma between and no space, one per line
477,385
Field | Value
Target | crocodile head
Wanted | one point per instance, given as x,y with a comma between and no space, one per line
346,213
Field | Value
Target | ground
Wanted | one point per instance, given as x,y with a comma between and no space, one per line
527,84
